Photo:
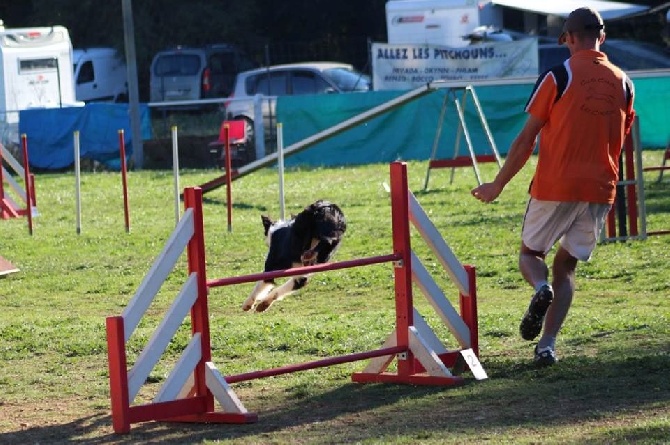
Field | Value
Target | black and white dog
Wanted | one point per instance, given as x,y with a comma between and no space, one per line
309,238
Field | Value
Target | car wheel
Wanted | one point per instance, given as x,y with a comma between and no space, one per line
249,129
250,144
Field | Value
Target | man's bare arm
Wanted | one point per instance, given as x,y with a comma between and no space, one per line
516,158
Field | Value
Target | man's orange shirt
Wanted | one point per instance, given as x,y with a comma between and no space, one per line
584,129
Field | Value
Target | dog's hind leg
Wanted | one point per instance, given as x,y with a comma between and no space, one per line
260,292
281,292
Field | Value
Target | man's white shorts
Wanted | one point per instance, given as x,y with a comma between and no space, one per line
576,224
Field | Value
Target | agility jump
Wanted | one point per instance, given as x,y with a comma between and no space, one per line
8,206
189,392
627,220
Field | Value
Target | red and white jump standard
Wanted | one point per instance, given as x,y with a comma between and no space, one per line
190,391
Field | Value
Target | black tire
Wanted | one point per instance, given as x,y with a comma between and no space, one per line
250,144
249,129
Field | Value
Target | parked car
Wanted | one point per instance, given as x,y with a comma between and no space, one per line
289,79
194,73
100,75
628,55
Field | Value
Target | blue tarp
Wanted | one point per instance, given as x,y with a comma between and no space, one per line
50,133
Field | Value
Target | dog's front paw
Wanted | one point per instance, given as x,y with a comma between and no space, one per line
248,304
263,306
308,258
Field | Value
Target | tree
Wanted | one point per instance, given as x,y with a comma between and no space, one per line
285,31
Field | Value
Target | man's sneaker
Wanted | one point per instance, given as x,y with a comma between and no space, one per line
531,324
544,356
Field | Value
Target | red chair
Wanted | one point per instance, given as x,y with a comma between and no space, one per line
239,145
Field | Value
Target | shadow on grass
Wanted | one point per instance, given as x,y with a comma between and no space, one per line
624,383
236,205
656,196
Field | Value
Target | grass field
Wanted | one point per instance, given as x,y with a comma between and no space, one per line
610,386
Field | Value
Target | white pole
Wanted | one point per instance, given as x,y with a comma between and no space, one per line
77,175
175,173
280,160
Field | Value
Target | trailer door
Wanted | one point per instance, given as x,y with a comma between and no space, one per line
38,83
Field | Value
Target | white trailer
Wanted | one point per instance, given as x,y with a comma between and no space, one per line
438,22
35,70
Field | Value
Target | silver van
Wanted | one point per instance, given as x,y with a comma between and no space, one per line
195,73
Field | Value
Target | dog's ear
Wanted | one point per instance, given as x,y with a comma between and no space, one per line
267,222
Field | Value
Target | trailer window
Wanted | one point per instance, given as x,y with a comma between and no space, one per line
33,65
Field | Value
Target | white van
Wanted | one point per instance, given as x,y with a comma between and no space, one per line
100,75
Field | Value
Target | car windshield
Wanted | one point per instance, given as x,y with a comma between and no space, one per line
177,65
348,80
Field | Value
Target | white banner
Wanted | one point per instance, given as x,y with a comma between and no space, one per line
403,67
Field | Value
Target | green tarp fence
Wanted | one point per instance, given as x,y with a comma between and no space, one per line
408,132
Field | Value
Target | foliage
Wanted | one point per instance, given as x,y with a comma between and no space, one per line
610,385
256,26
279,32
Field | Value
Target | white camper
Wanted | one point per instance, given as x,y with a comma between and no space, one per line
100,75
35,70
438,22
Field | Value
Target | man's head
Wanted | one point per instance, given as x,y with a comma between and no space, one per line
585,22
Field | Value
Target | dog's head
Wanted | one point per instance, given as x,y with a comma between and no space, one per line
326,220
